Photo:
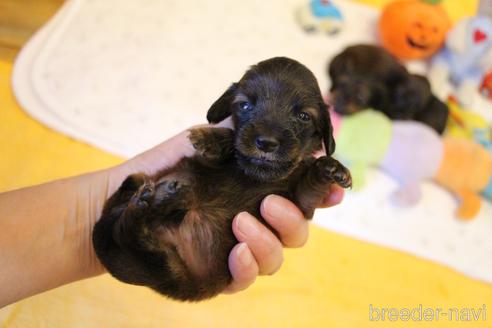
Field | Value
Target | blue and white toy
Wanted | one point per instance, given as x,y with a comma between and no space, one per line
465,59
320,16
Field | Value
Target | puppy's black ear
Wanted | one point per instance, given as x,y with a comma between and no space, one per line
434,114
326,129
410,97
342,64
221,108
379,96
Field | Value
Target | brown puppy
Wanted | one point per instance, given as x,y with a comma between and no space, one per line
366,76
172,231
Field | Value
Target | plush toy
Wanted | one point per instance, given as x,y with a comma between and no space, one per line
465,59
413,29
411,152
362,140
466,170
486,86
320,15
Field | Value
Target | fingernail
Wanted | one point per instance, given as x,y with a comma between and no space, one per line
246,225
275,207
244,255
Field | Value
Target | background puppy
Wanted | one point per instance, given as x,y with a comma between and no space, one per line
413,99
366,76
172,231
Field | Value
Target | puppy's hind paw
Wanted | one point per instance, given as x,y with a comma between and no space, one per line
144,196
125,194
171,189
133,182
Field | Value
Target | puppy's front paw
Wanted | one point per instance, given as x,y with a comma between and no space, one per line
331,169
213,144
200,139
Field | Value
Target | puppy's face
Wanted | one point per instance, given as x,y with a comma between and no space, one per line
279,118
351,94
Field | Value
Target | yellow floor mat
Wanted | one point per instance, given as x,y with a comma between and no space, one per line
329,283
31,153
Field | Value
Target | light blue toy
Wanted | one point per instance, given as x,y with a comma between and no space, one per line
482,137
320,15
466,57
488,190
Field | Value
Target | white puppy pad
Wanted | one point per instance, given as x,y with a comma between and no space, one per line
124,76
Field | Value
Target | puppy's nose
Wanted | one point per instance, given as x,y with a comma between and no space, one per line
266,144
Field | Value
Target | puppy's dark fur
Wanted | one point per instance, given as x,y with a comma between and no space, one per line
172,231
365,76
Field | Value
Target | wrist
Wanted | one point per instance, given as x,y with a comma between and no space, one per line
46,235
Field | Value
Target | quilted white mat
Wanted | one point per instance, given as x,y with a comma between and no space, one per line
125,75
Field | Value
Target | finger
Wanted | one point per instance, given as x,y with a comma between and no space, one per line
333,197
226,123
265,246
286,219
243,267
166,154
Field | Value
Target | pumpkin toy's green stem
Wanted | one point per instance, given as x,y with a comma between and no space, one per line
433,2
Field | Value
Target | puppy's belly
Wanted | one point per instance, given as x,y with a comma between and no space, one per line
173,232
197,249
197,253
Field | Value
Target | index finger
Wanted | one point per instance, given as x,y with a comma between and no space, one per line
286,219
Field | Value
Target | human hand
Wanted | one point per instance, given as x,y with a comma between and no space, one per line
60,215
259,251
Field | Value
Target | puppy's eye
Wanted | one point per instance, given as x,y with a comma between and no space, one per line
246,105
303,116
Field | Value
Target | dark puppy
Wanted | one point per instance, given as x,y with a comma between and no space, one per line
412,99
365,76
172,231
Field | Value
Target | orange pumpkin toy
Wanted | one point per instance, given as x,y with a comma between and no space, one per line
413,29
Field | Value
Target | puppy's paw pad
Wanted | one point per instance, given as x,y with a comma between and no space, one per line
343,178
144,196
146,193
168,188
137,203
330,169
171,186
